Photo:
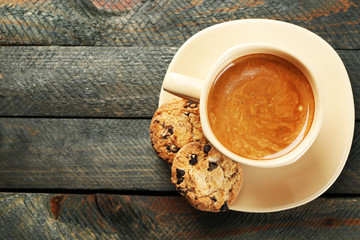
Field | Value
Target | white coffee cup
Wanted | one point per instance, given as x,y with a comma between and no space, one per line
198,90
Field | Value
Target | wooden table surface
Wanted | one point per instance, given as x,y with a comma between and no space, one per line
79,83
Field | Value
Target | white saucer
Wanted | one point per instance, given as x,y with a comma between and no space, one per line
268,190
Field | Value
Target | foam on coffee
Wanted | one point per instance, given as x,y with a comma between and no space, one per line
260,106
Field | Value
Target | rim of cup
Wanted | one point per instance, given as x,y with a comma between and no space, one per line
310,73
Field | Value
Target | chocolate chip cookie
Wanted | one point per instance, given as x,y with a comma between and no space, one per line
175,124
208,180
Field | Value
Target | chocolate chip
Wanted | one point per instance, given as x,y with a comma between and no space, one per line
181,191
193,159
224,207
207,148
187,114
212,166
157,121
180,175
171,130
213,199
173,148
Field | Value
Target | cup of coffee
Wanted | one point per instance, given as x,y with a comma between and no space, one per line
260,104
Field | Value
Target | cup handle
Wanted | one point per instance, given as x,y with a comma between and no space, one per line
183,86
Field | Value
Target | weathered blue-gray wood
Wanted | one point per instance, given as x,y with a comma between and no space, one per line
101,154
97,81
81,81
102,216
76,119
164,22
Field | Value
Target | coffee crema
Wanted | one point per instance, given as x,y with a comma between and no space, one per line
260,106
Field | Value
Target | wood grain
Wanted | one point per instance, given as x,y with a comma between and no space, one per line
75,109
80,154
81,81
104,216
25,216
101,154
164,22
351,59
97,81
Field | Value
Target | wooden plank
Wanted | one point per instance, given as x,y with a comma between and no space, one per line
351,171
81,81
100,154
35,216
351,60
164,22
80,154
97,81
49,216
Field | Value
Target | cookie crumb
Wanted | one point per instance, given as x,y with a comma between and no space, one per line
191,105
214,159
